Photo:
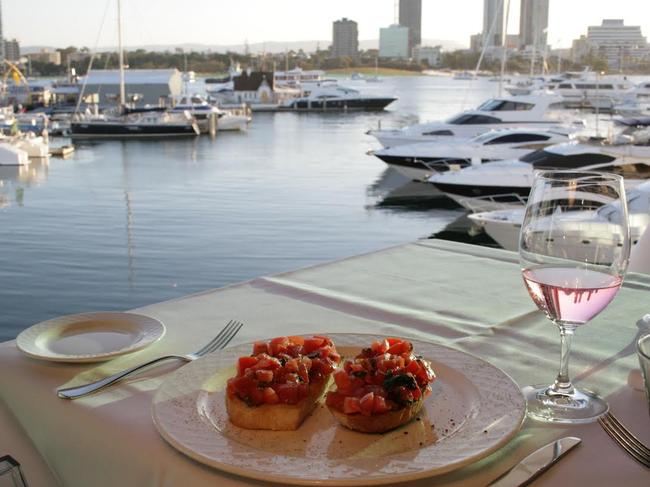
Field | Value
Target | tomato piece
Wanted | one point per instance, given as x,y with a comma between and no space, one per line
342,380
379,347
335,400
278,345
264,375
255,396
351,405
379,405
270,396
312,344
400,347
260,347
366,403
287,393
417,393
392,341
334,357
413,367
297,340
244,363
266,362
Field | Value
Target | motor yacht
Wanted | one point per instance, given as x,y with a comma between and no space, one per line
334,97
505,184
594,91
503,226
537,111
10,155
420,161
199,108
635,101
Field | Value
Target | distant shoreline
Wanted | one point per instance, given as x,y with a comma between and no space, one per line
370,71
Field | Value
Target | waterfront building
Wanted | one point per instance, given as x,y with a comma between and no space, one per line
46,56
410,15
345,38
494,22
432,55
11,50
533,22
619,44
476,42
394,42
253,87
143,86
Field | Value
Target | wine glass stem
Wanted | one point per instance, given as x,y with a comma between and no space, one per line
562,384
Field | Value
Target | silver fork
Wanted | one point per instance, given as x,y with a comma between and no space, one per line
626,440
218,342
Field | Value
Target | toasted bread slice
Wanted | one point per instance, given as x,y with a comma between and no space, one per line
276,417
378,423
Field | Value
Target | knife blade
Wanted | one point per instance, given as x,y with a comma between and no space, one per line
536,463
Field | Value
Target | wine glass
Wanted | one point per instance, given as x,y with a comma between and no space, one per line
573,252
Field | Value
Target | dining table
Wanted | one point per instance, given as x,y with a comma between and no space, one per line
465,297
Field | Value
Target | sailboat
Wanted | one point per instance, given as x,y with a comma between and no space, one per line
375,78
128,122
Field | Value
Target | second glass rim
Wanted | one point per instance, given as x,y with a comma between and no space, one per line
642,352
546,174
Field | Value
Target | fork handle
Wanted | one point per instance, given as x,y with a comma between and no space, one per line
80,391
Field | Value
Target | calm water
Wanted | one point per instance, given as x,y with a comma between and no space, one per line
124,224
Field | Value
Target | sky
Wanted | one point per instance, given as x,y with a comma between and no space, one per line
60,23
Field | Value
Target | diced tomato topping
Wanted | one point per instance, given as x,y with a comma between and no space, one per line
245,363
280,370
384,377
264,375
297,340
342,380
270,396
351,405
379,347
312,344
380,406
260,347
366,403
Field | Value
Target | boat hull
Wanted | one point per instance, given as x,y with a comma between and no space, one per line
360,104
80,130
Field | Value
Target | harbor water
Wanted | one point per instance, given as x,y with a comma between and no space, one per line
123,224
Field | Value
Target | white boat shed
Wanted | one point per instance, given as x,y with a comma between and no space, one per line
150,85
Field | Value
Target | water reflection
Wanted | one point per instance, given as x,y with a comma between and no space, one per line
394,189
14,180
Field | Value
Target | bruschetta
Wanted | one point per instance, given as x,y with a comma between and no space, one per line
381,388
281,383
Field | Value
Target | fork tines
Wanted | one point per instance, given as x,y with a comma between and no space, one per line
630,443
223,338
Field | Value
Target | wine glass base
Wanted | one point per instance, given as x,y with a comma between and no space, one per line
582,406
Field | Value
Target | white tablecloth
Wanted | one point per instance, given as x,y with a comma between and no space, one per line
467,297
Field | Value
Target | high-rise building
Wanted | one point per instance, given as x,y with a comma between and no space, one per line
410,15
345,38
619,44
494,22
12,50
533,22
394,42
2,43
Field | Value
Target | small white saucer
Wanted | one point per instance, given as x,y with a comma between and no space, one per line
89,337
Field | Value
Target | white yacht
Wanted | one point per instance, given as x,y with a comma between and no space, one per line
10,155
505,184
531,112
635,101
199,108
595,91
503,226
334,97
420,161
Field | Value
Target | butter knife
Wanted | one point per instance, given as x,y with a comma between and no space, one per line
536,463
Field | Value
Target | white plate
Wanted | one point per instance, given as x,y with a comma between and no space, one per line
475,408
89,337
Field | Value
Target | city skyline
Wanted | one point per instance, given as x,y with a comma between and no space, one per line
258,21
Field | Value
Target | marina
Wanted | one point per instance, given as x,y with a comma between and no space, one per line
305,262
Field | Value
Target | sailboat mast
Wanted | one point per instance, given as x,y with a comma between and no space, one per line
120,54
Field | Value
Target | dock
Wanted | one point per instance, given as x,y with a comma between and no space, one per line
62,151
